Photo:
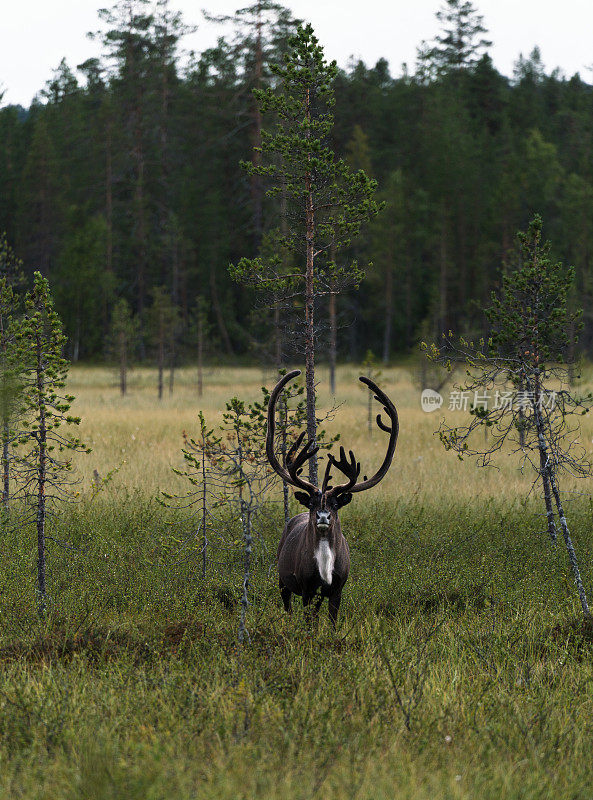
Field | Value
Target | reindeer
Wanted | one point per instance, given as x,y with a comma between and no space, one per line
313,554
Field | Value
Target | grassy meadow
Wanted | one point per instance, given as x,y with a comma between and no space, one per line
460,667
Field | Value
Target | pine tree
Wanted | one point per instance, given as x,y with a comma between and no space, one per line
45,465
163,325
531,330
202,329
460,44
201,456
244,471
122,339
326,203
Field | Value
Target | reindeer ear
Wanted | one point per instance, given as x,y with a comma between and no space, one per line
344,499
303,498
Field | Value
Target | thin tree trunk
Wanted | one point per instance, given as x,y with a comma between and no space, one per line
204,510
388,314
219,315
409,317
443,279
277,336
123,363
569,546
171,373
108,218
41,480
139,203
138,155
544,458
310,309
248,540
522,415
200,354
256,180
164,203
161,356
310,362
544,463
571,351
333,342
176,269
277,308
462,255
171,362
109,197
5,465
183,288
76,343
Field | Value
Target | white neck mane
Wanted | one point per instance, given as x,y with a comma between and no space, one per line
325,558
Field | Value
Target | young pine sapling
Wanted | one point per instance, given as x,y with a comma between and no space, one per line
244,470
45,462
122,339
163,325
521,367
199,453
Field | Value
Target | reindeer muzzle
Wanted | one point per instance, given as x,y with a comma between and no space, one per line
322,521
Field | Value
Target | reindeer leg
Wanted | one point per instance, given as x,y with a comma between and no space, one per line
307,600
312,604
334,606
286,595
318,603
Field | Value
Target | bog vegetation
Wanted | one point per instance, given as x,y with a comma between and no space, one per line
460,664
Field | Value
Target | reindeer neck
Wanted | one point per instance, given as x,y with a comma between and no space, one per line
331,535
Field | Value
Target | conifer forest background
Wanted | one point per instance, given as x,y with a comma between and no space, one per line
123,180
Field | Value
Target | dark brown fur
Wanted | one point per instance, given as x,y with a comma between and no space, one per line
297,568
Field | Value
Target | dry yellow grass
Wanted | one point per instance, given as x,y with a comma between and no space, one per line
144,434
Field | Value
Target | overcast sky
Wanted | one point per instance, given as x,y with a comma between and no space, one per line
37,34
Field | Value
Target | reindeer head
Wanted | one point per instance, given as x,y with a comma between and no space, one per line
324,503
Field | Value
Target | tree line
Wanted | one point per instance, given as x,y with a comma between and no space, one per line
122,184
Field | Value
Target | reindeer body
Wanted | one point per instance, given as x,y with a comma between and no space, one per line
309,563
313,555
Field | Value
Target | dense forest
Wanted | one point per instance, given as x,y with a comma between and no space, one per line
123,181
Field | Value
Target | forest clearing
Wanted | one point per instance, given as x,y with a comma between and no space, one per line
460,666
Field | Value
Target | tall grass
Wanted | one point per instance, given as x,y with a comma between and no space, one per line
460,667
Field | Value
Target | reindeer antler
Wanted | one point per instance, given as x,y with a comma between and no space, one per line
294,463
350,467
290,471
327,476
392,430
